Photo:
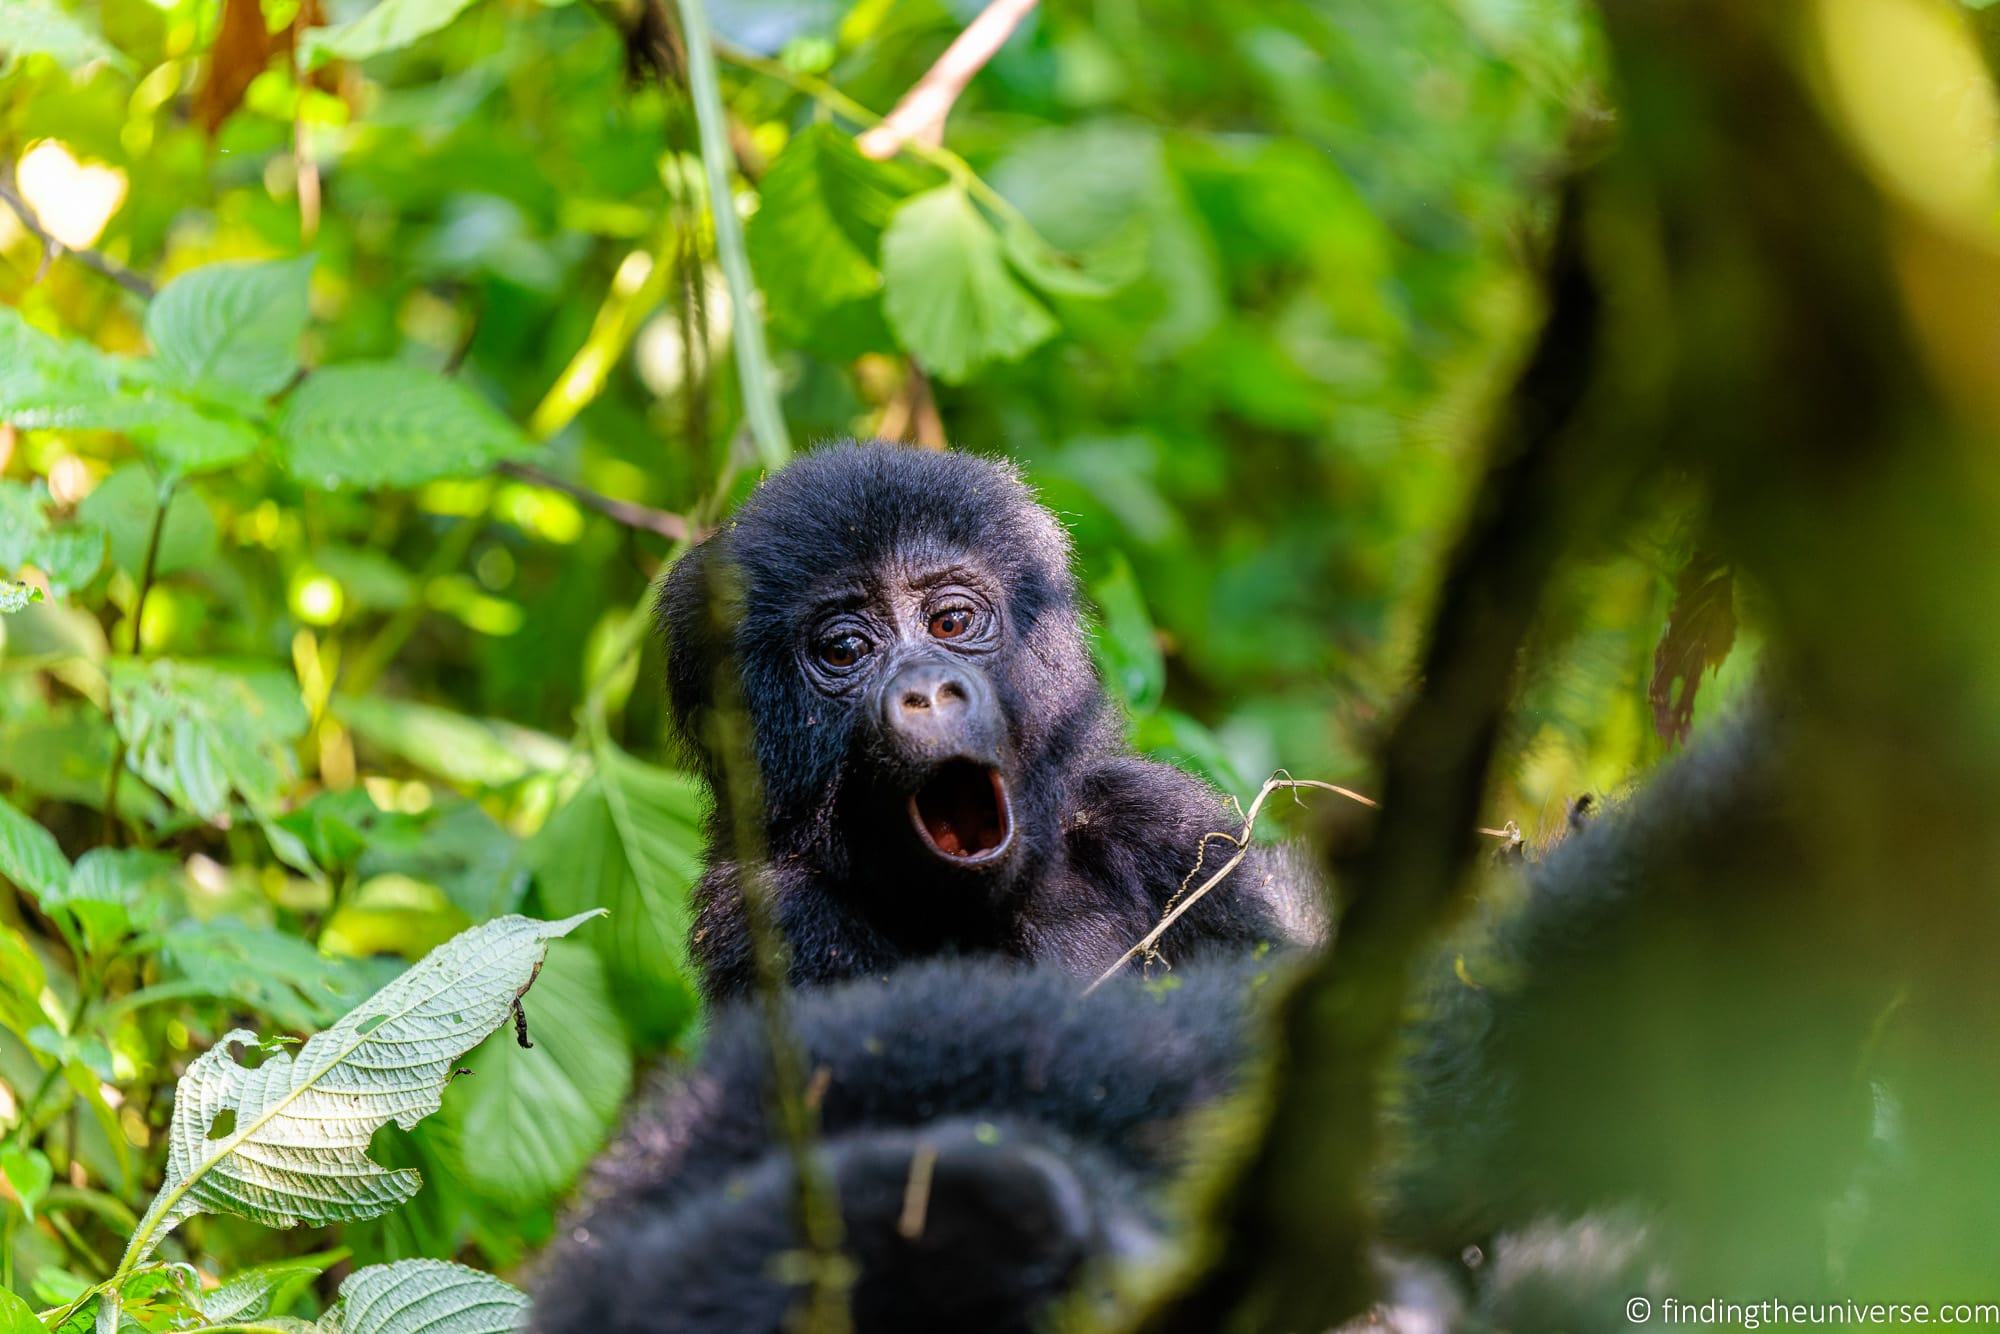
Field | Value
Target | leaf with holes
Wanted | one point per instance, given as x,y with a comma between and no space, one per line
376,424
287,1142
233,327
199,732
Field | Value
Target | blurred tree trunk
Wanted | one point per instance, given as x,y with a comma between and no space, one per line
1771,307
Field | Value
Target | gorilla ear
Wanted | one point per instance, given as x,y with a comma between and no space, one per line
683,615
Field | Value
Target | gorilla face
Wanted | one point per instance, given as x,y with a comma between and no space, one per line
903,629
909,651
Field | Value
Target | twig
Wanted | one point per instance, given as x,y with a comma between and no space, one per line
753,364
674,527
1185,899
921,114
51,247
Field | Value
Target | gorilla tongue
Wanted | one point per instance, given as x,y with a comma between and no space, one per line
962,812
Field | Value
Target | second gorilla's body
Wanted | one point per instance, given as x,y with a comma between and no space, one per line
940,769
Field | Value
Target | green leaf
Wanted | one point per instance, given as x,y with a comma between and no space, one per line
529,1126
477,752
287,1142
815,236
425,1297
375,424
234,326
124,505
69,554
29,855
17,596
199,732
28,1175
390,26
270,971
249,1293
36,27
16,1316
1126,646
115,890
57,382
630,840
951,299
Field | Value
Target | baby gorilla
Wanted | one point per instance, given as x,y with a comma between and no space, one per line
940,769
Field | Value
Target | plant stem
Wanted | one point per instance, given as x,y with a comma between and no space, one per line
146,572
753,366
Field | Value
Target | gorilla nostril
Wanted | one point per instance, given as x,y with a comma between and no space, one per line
951,690
916,699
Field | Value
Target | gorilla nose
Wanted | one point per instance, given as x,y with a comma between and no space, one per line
938,710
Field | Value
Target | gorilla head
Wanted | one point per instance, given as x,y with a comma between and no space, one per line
904,628
940,770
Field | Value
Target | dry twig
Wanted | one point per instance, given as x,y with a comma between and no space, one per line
53,248
920,116
1185,899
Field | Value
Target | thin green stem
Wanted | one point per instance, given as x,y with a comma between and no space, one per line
753,365
146,573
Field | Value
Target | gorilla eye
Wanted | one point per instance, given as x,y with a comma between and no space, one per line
843,650
951,624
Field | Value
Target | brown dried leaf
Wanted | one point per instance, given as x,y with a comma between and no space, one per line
1701,627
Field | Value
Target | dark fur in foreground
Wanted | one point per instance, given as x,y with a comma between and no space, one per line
859,548
1050,1122
1053,1128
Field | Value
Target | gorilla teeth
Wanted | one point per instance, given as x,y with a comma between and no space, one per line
963,813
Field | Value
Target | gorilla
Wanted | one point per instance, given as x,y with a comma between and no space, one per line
1635,1065
940,769
992,1135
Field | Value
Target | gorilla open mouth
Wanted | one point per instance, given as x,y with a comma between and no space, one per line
963,814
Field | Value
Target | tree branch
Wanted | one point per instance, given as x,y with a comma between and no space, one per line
51,247
674,527
1289,1235
920,116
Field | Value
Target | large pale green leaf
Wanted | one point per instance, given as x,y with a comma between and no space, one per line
528,1127
630,840
386,424
287,1142
232,326
200,732
29,855
425,1297
249,1293
951,298
815,238
390,26
478,752
271,971
40,27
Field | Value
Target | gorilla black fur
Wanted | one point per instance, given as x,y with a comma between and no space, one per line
1048,1121
1042,1133
941,770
